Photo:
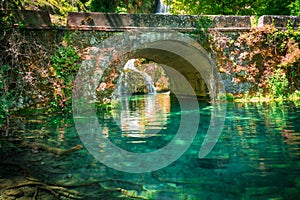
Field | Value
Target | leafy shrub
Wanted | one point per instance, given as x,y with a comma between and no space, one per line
295,8
117,6
278,83
64,61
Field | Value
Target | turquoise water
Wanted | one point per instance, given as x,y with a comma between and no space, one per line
257,155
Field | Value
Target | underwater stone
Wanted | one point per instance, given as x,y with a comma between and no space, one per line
212,163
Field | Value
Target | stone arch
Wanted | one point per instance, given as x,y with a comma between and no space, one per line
162,52
175,50
179,52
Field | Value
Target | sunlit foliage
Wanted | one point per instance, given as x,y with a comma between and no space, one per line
233,7
122,6
295,7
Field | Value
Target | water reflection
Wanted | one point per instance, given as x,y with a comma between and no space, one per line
256,157
142,116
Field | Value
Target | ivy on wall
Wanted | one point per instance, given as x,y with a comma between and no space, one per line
65,63
256,56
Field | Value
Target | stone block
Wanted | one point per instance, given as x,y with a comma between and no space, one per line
279,21
30,18
222,21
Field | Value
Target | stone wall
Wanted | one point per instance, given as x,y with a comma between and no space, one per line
85,30
280,22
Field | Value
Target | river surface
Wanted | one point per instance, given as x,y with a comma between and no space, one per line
257,155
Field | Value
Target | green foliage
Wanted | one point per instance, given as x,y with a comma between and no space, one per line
208,7
7,95
6,21
103,6
295,96
288,43
64,61
202,26
295,8
60,8
278,83
121,6
231,7
229,97
273,7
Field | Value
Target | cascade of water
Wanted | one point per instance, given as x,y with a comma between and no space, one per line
161,8
150,86
118,90
130,65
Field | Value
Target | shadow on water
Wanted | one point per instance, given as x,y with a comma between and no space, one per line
257,155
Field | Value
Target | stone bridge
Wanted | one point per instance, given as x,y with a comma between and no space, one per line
186,57
190,60
174,51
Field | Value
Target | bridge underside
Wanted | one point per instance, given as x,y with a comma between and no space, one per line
190,69
169,61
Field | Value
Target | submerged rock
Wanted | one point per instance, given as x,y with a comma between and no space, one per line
211,163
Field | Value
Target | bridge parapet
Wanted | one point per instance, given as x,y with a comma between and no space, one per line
279,21
183,23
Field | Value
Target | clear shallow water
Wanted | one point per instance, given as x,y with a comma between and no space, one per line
257,155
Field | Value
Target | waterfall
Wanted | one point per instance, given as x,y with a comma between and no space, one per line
161,8
148,80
